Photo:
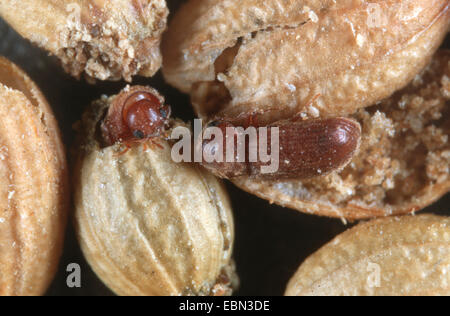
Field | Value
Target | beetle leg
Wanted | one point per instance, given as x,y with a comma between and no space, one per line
154,142
123,152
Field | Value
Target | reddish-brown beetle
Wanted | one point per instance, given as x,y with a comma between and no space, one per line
306,149
137,113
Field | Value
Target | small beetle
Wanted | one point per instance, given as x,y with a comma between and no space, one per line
307,149
136,114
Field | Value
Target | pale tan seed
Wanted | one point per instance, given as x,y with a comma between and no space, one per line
391,256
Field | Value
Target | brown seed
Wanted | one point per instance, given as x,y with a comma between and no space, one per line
107,40
276,55
34,191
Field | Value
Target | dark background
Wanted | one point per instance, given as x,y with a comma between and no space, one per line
271,241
